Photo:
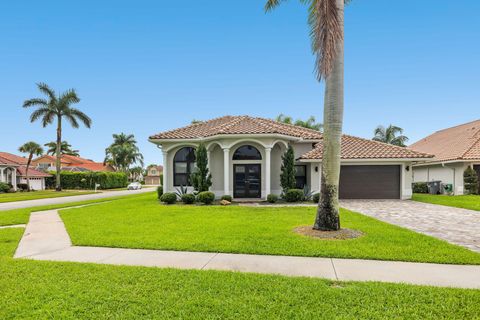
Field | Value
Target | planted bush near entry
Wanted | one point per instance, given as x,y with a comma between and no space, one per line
293,195
206,197
227,197
159,192
316,198
188,198
272,198
169,198
4,187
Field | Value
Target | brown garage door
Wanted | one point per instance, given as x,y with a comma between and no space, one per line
370,182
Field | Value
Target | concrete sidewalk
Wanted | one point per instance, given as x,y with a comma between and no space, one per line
60,200
46,238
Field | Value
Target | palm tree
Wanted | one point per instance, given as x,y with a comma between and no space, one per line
326,19
389,135
57,108
310,123
32,149
123,152
65,148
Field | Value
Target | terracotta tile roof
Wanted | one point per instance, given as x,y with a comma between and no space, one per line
461,142
238,125
359,148
32,173
8,157
50,158
94,166
74,160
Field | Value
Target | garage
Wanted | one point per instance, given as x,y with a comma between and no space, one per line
370,182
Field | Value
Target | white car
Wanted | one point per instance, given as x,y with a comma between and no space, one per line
134,186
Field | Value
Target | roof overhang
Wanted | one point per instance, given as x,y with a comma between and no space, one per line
436,162
368,160
233,136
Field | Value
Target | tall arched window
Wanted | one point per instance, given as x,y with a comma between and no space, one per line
247,152
183,166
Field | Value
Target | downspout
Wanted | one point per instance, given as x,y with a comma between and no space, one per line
454,176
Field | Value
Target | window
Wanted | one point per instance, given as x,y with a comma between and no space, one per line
300,176
183,166
247,152
153,172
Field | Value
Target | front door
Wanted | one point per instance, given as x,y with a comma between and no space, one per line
247,181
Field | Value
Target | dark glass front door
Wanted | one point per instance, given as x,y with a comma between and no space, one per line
247,181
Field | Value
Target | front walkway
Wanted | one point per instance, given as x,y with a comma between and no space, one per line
455,225
46,238
69,199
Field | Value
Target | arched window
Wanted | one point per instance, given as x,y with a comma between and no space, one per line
247,152
183,166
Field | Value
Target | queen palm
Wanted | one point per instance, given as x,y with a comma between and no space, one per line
65,148
391,134
32,149
326,30
57,108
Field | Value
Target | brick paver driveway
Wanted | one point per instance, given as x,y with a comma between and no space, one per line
455,225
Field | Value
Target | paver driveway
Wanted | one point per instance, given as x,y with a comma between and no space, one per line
455,225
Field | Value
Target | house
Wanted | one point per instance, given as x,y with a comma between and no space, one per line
13,170
454,150
245,157
153,175
69,163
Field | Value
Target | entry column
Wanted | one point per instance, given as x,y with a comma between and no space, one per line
226,171
267,171
165,171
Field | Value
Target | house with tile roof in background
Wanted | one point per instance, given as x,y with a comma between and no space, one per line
153,175
245,158
70,163
13,171
454,150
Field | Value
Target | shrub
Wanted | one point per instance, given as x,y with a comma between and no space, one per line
227,197
4,187
316,198
272,198
287,177
419,187
169,198
200,177
22,186
87,180
470,181
159,192
206,197
293,195
188,198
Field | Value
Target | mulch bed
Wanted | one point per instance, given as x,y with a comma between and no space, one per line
341,234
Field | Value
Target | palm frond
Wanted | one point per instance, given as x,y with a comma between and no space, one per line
272,4
37,114
48,118
68,98
73,122
35,102
80,116
45,89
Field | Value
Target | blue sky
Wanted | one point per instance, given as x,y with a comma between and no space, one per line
146,66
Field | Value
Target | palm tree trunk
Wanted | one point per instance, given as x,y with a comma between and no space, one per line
58,154
328,207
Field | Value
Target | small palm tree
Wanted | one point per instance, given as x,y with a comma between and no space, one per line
391,135
32,149
123,152
65,148
57,108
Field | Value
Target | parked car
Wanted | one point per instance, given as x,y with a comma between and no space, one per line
134,186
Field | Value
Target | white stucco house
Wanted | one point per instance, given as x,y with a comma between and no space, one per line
454,150
13,171
245,158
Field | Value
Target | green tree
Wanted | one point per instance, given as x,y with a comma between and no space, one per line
57,108
65,148
32,149
326,20
123,152
287,176
201,178
470,181
391,135
310,123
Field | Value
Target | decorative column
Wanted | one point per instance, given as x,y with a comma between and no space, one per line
2,178
165,171
226,171
208,160
267,171
14,178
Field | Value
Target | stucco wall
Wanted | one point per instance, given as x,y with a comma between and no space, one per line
449,173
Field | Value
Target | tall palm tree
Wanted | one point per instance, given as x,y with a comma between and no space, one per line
326,18
391,134
123,152
57,108
65,148
32,149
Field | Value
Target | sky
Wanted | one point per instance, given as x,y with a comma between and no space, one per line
143,67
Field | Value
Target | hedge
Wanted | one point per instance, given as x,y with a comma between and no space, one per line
419,187
87,180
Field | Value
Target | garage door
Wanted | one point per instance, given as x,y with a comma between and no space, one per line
370,182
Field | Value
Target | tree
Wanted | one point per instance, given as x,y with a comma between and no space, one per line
310,123
326,29
200,177
389,135
57,108
136,173
470,180
65,148
32,149
287,177
123,152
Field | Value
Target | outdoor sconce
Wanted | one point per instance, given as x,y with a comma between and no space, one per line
407,168
316,168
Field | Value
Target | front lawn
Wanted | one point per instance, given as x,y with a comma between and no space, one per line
471,202
52,290
33,195
141,222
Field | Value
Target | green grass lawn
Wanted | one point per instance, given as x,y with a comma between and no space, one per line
467,202
141,222
52,290
22,196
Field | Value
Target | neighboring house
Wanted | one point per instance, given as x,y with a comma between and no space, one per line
13,170
153,175
245,156
69,163
454,149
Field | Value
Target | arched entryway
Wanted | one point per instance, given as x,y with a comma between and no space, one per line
247,172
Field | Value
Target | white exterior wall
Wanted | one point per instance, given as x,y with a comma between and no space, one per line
448,173
35,183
